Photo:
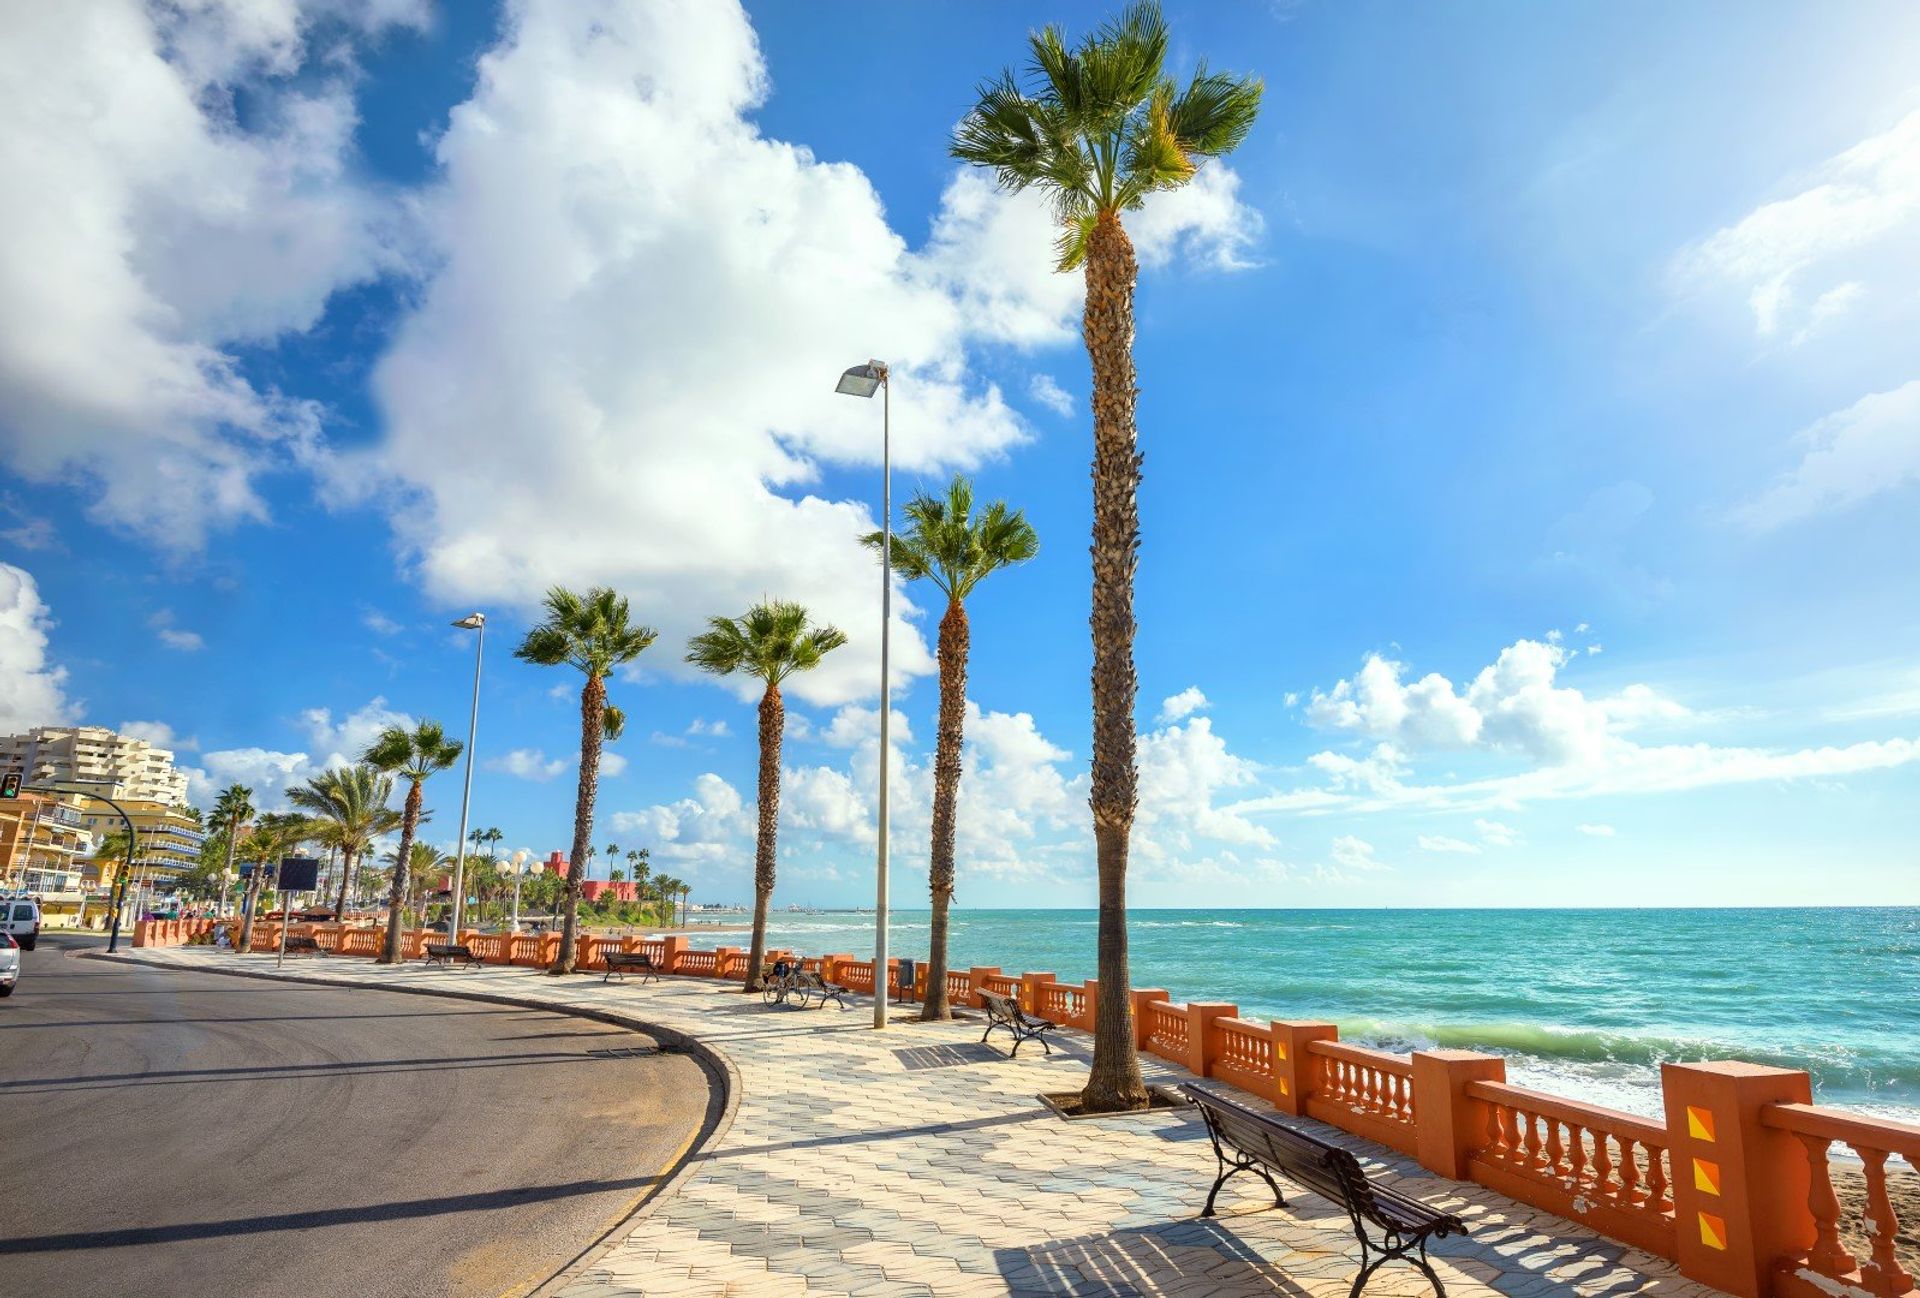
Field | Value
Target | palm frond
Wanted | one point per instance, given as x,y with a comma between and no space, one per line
771,641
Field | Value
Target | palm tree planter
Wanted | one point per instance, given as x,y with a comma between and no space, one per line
1099,128
594,633
771,641
413,754
945,544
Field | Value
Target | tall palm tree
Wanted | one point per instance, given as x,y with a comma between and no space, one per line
1098,128
232,809
770,641
665,889
272,837
350,805
594,633
413,755
638,870
425,864
945,543
613,857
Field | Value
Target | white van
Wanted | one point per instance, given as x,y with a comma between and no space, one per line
20,920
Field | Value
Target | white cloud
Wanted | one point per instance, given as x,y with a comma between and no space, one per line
379,623
612,764
1851,223
269,773
708,828
1042,388
173,637
1183,770
854,725
1595,831
165,228
32,692
527,764
1183,704
1443,843
1872,446
710,729
1354,855
345,741
1495,834
157,733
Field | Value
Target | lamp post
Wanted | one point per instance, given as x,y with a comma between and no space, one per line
863,381
471,622
519,860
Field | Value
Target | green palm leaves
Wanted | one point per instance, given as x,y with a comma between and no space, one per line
945,544
772,640
594,633
348,805
1100,125
413,754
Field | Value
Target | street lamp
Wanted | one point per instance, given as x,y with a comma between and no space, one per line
519,860
471,622
864,381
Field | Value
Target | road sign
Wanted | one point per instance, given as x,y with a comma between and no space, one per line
299,873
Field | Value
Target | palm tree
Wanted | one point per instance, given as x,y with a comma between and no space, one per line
414,755
947,545
595,634
665,889
349,806
613,858
273,836
425,864
771,641
232,809
1099,128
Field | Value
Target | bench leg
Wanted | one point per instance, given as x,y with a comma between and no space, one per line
1228,1169
1426,1266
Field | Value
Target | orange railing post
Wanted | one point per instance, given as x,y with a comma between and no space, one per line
1030,985
1203,1044
1447,1130
1739,1189
1293,1067
672,948
1142,1024
1090,1009
977,980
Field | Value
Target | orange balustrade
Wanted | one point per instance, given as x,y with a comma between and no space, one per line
1824,1265
1367,1092
1607,1169
1167,1030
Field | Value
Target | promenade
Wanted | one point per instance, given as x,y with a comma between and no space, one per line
917,1162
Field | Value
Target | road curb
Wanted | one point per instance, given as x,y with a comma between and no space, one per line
722,1104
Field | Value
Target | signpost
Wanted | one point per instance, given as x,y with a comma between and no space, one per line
295,874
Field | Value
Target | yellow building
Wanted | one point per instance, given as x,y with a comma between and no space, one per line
43,841
168,844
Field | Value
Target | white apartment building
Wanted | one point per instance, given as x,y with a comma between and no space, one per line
53,754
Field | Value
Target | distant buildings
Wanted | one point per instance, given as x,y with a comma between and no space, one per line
132,768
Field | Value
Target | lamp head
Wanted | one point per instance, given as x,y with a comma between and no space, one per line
472,621
862,380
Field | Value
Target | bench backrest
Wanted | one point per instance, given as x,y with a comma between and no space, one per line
1000,1009
1327,1170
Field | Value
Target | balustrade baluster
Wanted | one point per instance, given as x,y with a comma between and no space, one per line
1657,1179
1554,1151
1602,1164
1827,1256
1532,1158
1576,1154
1883,1275
1496,1130
1629,1173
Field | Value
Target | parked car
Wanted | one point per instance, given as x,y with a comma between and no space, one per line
9,964
20,920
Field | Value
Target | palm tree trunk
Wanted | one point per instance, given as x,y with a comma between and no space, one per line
346,873
1114,1082
773,719
226,874
247,907
954,638
593,718
402,868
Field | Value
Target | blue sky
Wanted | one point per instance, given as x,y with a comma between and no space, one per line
1530,409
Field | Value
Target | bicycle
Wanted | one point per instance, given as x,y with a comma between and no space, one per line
782,983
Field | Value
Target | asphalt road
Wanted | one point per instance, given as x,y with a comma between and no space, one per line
183,1133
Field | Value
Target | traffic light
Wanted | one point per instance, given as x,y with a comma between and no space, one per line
10,785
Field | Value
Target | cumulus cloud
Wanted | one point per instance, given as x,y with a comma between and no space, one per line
1042,388
32,690
268,772
1871,447
527,764
174,637
1184,704
157,733
1445,843
166,229
344,741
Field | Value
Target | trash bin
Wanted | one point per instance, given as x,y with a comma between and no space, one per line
908,977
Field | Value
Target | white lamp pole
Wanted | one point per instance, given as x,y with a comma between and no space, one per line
471,622
519,868
862,381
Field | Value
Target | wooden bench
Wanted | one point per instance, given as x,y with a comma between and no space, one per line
1005,1012
1246,1139
626,962
811,982
447,953
298,944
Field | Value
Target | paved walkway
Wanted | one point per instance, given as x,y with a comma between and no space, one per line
916,1162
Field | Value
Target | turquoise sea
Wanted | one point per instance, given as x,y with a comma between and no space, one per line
1584,1003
